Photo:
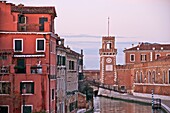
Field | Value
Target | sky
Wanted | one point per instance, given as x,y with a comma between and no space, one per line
82,23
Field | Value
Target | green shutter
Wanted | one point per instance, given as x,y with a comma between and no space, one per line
32,87
21,86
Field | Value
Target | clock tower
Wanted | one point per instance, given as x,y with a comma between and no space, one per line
108,53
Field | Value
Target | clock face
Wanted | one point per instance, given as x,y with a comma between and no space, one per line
108,60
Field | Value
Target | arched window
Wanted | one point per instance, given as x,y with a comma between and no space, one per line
164,77
136,77
153,77
141,77
149,77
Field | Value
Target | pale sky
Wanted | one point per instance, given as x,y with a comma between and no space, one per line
82,23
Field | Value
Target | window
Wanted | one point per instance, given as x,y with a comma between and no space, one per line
40,45
168,54
108,46
21,19
18,45
41,21
157,56
153,77
3,57
27,87
3,109
53,94
61,60
20,67
136,76
164,77
140,77
71,65
143,57
5,87
132,57
27,109
149,77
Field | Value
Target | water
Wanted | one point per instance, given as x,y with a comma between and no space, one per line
106,105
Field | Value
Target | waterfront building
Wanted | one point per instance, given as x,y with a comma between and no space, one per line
61,76
146,68
27,58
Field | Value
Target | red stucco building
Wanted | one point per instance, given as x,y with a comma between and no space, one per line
27,58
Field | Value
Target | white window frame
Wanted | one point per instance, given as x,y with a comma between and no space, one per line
14,45
156,55
143,57
5,106
26,105
130,57
37,44
5,82
30,82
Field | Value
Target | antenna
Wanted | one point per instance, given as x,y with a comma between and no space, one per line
108,26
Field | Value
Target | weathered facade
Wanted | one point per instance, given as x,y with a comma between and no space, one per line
27,58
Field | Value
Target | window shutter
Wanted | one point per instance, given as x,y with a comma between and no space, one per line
32,87
21,87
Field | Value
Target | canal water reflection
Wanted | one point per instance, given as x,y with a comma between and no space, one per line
106,105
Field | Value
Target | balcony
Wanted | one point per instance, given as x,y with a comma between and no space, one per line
36,69
4,70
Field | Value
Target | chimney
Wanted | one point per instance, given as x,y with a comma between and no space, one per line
3,1
20,5
132,45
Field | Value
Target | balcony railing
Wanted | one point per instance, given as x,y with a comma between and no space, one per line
20,69
36,69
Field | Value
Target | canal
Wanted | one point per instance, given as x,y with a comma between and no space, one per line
107,105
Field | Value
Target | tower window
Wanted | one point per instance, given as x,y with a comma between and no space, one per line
108,46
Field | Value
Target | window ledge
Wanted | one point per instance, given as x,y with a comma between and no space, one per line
4,94
27,94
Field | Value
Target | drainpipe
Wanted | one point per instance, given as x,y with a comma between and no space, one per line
49,73
49,77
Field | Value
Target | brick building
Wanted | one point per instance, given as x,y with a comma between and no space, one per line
146,68
27,58
108,61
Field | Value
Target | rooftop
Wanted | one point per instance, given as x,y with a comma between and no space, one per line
33,10
149,46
